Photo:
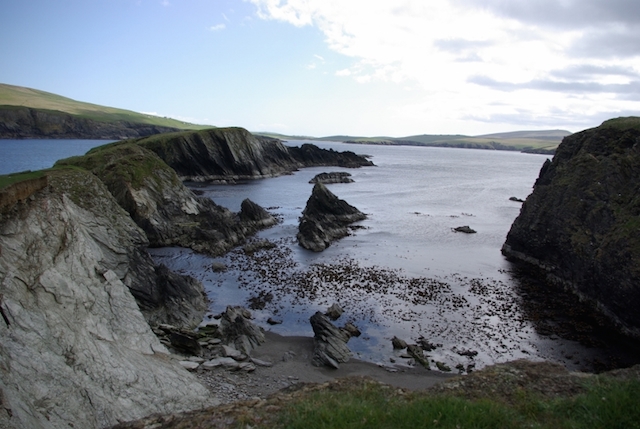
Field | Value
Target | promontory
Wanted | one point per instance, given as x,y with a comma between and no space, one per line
581,224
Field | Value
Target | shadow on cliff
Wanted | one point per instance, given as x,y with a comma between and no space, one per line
555,311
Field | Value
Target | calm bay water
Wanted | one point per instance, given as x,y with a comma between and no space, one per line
403,273
22,155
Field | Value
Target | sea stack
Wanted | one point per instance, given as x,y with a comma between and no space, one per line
581,224
325,218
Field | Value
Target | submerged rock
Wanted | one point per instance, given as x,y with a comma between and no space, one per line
333,177
466,229
581,223
325,219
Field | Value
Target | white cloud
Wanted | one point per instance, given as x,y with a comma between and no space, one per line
217,27
467,59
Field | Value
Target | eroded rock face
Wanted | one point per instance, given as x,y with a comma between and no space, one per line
168,212
325,218
230,154
581,224
74,345
330,342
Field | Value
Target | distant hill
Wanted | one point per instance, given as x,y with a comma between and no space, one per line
551,135
545,141
31,113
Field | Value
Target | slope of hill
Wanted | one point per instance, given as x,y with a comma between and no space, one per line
27,112
545,141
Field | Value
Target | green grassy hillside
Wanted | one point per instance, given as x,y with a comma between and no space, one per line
545,141
11,95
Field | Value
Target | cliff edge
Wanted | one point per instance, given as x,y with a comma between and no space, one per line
168,212
581,224
230,154
75,347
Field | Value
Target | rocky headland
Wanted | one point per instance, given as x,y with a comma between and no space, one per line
581,224
325,219
230,154
168,212
333,177
79,294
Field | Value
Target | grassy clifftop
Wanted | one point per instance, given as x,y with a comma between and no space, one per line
19,96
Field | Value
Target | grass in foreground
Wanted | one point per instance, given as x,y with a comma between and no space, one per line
607,403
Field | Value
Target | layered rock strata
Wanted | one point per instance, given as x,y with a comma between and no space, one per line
333,177
581,224
168,212
325,218
330,342
230,154
75,347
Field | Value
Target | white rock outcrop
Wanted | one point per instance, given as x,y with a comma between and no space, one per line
75,350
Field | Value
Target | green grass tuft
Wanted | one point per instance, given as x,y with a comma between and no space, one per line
607,403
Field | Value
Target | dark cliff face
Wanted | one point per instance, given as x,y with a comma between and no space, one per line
219,153
24,122
582,222
229,154
310,155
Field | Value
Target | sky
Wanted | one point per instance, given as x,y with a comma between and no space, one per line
327,67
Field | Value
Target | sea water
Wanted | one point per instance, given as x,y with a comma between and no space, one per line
404,272
33,154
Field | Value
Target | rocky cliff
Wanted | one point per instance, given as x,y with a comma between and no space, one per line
581,224
75,348
325,218
228,154
156,199
18,122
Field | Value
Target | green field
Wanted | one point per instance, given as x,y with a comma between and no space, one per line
20,96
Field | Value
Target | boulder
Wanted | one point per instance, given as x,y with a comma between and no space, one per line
325,218
237,329
252,213
398,343
334,312
330,342
581,226
417,353
466,229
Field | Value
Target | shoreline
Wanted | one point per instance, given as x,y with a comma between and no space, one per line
290,357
